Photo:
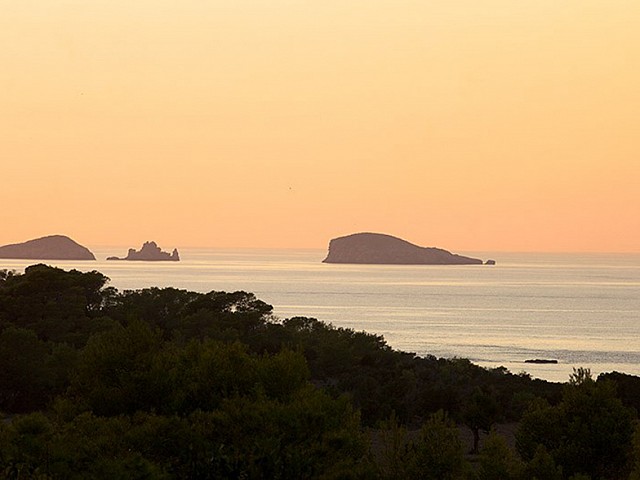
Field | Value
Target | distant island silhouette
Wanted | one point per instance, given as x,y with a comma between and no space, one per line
378,248
150,252
52,247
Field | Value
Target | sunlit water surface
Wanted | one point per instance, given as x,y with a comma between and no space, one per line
580,309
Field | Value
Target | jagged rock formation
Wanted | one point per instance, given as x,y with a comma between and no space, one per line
377,248
53,247
150,252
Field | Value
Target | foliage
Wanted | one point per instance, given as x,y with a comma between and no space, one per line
24,374
57,306
542,466
635,455
439,454
394,453
434,453
588,432
627,388
479,413
497,461
167,383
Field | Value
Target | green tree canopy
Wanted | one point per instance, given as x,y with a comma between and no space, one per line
588,432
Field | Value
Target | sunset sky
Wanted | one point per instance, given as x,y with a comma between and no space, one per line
464,124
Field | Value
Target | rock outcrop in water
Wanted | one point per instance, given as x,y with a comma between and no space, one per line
150,252
377,248
52,247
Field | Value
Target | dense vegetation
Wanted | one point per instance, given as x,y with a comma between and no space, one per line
167,383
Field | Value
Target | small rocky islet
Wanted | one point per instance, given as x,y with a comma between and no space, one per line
150,252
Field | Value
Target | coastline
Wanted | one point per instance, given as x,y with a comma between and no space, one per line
579,308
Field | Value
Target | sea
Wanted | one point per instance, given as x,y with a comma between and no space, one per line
582,310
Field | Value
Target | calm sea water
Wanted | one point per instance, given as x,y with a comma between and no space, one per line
580,309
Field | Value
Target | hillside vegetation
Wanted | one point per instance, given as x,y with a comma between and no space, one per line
167,383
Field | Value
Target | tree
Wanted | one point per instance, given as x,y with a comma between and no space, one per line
542,466
479,413
24,376
439,454
114,371
58,306
627,388
26,445
394,453
635,459
497,460
589,432
5,274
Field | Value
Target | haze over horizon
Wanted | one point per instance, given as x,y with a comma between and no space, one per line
471,126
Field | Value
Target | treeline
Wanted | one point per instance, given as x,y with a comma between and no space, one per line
167,383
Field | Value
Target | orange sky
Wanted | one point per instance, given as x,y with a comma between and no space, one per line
493,125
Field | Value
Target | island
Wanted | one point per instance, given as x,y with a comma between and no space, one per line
378,248
150,252
52,247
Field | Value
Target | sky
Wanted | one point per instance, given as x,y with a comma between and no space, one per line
499,125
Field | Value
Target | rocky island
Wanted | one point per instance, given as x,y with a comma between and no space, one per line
52,247
540,360
150,252
377,248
